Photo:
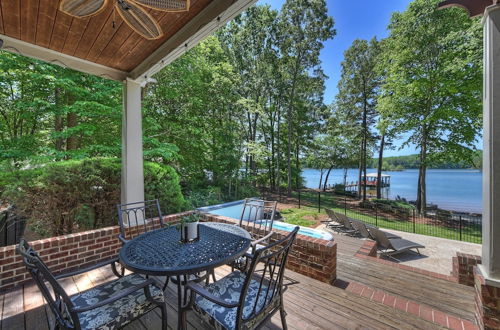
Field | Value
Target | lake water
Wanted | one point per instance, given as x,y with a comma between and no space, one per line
459,190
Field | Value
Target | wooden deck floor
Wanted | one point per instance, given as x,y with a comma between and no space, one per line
310,304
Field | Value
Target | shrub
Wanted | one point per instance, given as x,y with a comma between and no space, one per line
396,204
71,196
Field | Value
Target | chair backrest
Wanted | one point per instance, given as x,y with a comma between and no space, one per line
380,237
332,215
138,218
257,216
361,228
344,220
58,300
265,284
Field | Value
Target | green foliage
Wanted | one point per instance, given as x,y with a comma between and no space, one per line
396,204
70,196
432,89
51,113
193,217
398,163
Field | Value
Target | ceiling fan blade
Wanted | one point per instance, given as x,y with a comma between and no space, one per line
82,8
165,5
139,20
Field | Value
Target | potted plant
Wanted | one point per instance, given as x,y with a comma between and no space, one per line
189,227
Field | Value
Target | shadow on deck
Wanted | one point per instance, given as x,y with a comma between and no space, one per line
367,295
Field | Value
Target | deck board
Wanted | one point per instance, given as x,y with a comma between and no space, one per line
309,304
451,298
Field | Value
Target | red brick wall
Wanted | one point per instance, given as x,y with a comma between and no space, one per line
64,253
369,248
487,303
312,257
463,268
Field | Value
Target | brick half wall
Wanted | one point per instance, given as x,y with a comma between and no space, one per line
463,268
315,258
312,257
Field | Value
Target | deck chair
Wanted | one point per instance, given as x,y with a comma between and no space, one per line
361,228
332,222
347,228
387,234
391,246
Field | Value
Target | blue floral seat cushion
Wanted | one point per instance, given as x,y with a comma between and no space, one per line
229,289
120,312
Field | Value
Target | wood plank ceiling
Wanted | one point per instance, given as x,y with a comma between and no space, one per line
94,39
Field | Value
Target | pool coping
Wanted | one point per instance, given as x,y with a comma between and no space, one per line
208,209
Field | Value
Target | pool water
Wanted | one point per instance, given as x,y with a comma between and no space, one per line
234,209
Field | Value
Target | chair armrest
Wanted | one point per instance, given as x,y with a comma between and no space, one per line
122,239
207,295
117,296
260,240
87,269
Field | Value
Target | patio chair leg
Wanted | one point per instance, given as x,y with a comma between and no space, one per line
164,323
283,317
167,279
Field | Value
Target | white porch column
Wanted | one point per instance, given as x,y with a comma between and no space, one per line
132,184
490,267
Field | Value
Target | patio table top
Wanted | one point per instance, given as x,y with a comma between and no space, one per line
160,252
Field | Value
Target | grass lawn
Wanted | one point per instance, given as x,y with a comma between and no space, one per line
296,216
301,217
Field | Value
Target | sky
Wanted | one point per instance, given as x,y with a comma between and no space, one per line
354,19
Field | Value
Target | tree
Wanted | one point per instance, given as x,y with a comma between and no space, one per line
358,90
192,117
51,113
433,83
305,26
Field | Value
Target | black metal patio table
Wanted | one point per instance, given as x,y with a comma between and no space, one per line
161,253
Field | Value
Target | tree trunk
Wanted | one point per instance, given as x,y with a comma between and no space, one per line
360,174
326,178
380,164
58,120
421,203
320,178
365,138
71,141
297,165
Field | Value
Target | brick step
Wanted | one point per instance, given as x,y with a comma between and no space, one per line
408,306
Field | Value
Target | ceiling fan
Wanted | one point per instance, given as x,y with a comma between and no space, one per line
130,11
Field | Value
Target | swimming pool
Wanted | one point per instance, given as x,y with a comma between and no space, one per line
233,210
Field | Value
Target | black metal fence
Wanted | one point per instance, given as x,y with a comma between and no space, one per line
440,223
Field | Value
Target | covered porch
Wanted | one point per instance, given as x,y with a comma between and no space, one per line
367,294
387,298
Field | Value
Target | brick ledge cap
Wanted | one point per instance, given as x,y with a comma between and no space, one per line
495,282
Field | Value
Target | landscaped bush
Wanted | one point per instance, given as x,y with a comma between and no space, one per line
72,196
396,204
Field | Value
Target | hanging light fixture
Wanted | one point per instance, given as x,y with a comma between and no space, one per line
131,11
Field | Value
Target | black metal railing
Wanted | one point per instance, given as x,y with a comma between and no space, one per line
440,223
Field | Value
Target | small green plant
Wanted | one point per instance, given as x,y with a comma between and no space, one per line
190,218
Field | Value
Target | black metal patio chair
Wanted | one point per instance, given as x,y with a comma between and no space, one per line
108,306
139,218
257,217
245,299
